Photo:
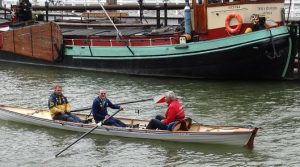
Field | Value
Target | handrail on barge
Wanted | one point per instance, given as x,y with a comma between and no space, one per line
123,42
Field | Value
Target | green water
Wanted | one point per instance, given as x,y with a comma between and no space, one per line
271,105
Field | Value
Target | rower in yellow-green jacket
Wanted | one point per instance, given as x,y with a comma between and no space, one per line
59,107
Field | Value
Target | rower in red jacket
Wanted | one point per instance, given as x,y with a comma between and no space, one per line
174,113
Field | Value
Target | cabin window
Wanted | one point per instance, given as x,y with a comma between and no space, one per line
215,1
200,2
230,1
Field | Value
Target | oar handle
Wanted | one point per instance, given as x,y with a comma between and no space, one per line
111,115
82,109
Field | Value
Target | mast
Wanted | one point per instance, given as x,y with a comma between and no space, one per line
199,21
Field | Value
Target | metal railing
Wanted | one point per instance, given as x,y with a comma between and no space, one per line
123,42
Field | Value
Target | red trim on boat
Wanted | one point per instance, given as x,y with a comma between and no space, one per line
250,143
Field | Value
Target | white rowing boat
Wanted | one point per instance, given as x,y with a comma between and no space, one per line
197,133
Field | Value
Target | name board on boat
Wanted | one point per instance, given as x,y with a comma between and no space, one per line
268,10
101,15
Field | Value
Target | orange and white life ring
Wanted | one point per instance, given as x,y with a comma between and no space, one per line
239,20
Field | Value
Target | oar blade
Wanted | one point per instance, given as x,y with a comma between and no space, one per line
160,99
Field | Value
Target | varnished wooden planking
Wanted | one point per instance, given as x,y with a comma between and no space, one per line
8,42
41,41
23,41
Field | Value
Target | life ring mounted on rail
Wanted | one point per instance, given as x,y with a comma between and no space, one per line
238,27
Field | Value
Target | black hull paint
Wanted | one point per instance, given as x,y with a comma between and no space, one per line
256,61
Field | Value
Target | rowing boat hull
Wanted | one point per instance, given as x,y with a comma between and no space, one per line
225,136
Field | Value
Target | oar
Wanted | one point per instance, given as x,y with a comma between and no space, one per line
81,109
86,133
156,99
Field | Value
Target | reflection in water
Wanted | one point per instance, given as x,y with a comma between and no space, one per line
272,105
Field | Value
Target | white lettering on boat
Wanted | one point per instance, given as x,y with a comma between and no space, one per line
234,7
267,10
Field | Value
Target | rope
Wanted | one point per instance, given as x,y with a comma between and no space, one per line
287,20
273,46
118,32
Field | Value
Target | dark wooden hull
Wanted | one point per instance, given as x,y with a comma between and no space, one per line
255,61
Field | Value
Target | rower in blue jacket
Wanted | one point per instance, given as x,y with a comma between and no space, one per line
99,110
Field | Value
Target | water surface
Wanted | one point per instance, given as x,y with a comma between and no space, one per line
271,105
